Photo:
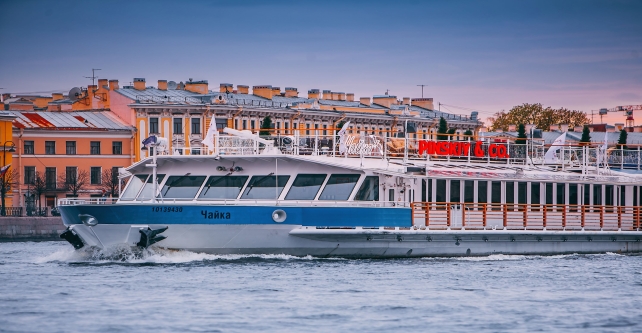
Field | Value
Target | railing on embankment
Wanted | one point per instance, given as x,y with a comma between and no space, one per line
446,215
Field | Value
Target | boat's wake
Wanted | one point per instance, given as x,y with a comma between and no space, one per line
128,255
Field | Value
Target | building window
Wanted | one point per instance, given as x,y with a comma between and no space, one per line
244,124
28,147
252,125
50,147
70,175
94,147
178,125
196,125
117,148
325,129
95,175
153,126
307,129
71,147
30,174
50,178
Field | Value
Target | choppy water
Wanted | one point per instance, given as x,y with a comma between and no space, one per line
47,287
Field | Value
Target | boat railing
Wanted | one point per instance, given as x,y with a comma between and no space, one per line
244,202
449,215
384,145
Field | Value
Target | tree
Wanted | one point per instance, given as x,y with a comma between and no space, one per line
536,114
468,133
586,136
622,140
39,186
442,129
7,182
340,125
521,135
266,126
109,182
74,182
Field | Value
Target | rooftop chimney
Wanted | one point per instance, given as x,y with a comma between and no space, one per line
384,100
113,84
313,93
102,83
199,87
276,91
56,96
264,91
512,128
162,84
578,129
226,87
425,103
406,101
341,96
564,127
327,94
350,97
554,127
291,92
364,100
139,83
242,89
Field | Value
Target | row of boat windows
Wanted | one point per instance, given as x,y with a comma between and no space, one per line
482,191
304,187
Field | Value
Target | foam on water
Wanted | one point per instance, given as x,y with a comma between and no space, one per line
152,256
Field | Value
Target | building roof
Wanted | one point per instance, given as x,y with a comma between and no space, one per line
76,120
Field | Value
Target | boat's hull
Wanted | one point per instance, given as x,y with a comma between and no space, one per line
363,243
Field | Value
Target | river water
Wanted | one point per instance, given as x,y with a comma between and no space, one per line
49,287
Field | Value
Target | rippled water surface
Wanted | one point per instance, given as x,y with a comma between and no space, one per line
48,287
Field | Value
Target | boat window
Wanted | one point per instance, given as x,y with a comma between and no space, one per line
535,190
223,187
469,188
521,192
510,192
135,183
608,195
265,187
441,190
597,194
146,192
587,194
339,187
572,194
305,187
482,191
369,190
496,192
181,187
454,191
561,194
426,189
549,193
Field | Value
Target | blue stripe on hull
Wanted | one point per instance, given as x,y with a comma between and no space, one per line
186,214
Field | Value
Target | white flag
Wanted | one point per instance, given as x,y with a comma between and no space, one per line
343,137
212,134
550,157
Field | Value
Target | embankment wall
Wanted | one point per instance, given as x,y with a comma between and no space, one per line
30,228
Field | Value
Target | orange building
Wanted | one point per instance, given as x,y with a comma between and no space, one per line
63,149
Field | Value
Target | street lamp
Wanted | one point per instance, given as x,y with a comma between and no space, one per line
3,186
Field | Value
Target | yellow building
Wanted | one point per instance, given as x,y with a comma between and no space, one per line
8,147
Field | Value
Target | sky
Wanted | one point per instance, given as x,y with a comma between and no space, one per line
470,55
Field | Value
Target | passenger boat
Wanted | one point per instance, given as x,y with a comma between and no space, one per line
366,196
